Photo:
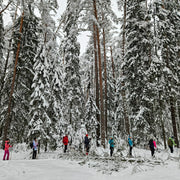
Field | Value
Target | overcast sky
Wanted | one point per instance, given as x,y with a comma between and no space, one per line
82,38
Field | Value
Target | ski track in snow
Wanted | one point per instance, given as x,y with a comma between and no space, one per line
58,166
45,170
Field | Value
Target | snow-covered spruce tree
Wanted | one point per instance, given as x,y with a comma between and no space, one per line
168,32
119,124
55,109
55,75
87,75
50,57
24,74
90,115
40,123
135,68
55,101
72,92
46,97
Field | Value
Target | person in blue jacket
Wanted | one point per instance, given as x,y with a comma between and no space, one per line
111,142
130,145
35,147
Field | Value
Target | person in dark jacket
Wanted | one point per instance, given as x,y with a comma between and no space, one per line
130,145
65,142
111,142
151,146
86,143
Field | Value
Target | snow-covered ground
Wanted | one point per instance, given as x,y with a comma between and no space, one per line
57,166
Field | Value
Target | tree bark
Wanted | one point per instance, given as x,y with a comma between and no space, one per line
105,79
173,117
100,80
162,122
123,93
7,123
112,61
96,80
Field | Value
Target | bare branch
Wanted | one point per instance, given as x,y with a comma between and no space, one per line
5,7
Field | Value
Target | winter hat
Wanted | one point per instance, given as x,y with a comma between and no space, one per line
87,135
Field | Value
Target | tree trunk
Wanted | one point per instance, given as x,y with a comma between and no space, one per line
7,123
162,122
112,61
105,79
123,93
178,107
70,114
100,80
173,117
96,80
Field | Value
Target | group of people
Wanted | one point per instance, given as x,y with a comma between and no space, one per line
152,146
111,145
86,143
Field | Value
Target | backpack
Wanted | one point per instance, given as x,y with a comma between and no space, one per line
151,144
31,145
170,143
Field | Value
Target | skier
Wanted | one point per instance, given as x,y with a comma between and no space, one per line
86,143
130,145
6,149
151,146
65,142
111,142
171,143
35,147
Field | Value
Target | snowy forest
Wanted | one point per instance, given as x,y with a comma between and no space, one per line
127,82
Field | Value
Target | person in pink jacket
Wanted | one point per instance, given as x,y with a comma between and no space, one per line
6,149
154,142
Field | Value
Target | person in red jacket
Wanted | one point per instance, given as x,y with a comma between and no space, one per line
65,142
6,149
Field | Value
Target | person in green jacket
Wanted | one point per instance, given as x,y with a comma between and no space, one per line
171,143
